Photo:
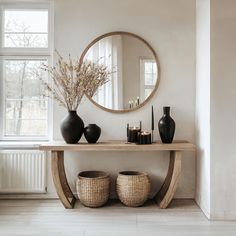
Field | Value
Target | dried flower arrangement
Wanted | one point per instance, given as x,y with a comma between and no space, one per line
73,79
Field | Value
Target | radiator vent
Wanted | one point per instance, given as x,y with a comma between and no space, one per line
22,171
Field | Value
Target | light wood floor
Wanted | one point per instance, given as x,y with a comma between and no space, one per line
48,217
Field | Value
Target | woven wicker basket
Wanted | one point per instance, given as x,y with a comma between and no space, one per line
133,188
93,188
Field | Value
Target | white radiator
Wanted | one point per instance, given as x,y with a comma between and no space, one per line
22,171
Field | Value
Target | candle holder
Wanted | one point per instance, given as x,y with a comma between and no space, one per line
132,134
144,137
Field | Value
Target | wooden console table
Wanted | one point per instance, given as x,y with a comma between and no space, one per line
164,195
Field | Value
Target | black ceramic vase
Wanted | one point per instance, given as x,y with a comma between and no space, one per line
166,126
72,127
92,133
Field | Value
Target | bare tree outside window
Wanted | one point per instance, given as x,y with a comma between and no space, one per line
26,29
25,107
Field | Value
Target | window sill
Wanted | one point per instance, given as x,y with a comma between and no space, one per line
4,145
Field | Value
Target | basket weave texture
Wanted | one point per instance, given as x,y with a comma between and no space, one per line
93,188
133,188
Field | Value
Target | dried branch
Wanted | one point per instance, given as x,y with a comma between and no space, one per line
73,79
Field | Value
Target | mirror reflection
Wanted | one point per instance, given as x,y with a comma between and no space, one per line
135,71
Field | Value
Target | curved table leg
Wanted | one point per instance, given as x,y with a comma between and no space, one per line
60,181
167,190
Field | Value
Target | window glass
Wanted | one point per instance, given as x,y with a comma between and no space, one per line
150,72
26,28
25,107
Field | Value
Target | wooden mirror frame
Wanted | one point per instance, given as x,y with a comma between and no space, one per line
157,62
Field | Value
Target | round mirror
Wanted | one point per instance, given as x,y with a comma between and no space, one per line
135,68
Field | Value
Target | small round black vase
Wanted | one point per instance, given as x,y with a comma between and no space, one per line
166,126
72,128
92,133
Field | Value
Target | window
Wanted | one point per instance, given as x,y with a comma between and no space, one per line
106,52
25,109
25,46
102,52
148,77
25,28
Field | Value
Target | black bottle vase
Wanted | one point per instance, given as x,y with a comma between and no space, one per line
166,126
92,133
72,127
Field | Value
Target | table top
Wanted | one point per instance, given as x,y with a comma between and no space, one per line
177,145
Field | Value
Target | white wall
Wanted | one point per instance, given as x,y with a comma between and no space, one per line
169,26
215,108
203,104
223,109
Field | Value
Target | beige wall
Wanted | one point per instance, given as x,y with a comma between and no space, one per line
169,26
215,108
223,109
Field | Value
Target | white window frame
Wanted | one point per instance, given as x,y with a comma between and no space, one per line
7,53
142,77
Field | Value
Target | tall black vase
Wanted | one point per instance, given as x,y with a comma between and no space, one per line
166,126
72,127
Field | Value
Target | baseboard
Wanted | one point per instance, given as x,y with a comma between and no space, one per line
54,196
203,208
29,196
229,216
